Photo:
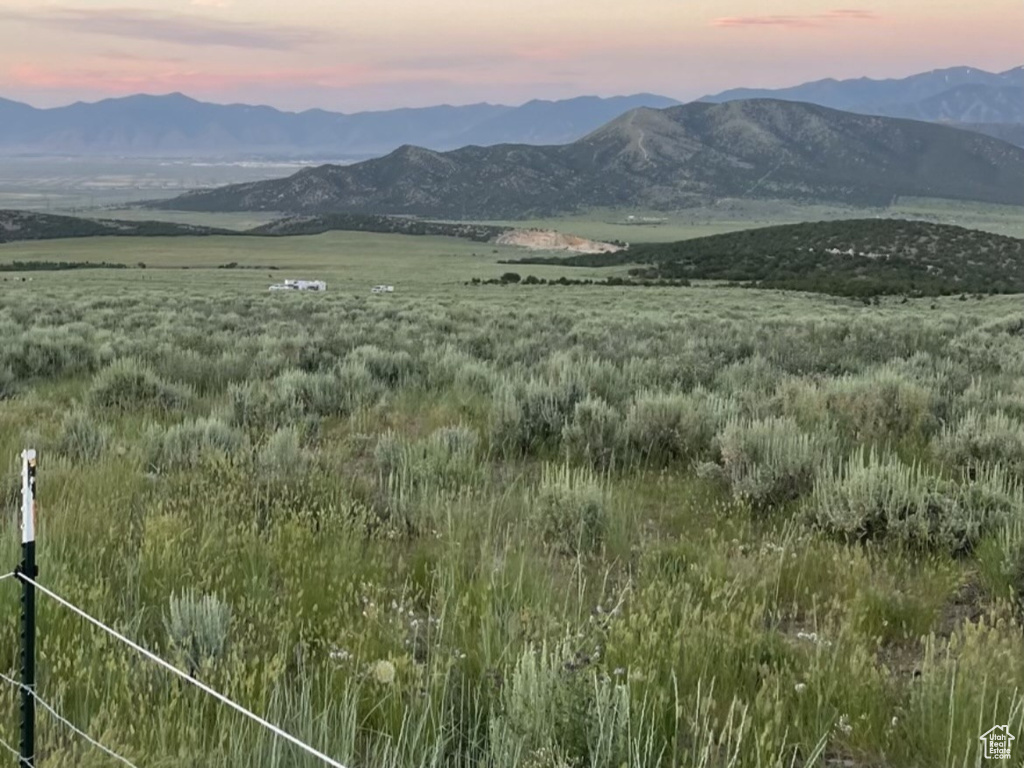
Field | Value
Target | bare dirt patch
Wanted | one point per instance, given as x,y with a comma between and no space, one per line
550,240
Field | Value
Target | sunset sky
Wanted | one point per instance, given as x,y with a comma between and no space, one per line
351,55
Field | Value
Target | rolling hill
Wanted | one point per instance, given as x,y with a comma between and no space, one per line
656,159
854,257
175,125
30,225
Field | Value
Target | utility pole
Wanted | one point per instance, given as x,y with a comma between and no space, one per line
28,609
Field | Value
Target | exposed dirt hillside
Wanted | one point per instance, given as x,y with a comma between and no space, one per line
550,240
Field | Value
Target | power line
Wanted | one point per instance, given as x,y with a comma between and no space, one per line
171,668
60,718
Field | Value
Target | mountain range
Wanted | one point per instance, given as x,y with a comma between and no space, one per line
965,97
957,94
175,125
681,156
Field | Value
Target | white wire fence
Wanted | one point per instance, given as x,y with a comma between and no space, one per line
63,721
325,759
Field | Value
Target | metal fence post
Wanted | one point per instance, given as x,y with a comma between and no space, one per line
28,609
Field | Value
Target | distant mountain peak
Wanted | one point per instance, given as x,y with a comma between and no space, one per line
938,95
682,156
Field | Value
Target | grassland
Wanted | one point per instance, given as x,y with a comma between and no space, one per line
351,262
734,215
511,525
70,184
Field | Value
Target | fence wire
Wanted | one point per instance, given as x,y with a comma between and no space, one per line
184,676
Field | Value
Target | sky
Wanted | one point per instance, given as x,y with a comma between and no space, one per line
354,55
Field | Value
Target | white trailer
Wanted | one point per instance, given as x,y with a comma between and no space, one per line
300,285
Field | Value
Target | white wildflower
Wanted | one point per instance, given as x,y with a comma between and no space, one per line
384,672
844,724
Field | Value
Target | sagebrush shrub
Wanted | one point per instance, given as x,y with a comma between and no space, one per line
80,437
445,459
543,713
768,462
192,443
390,367
570,511
197,628
594,436
880,406
661,428
881,498
129,385
978,440
8,382
282,456
526,419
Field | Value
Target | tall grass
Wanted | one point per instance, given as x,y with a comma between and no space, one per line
709,527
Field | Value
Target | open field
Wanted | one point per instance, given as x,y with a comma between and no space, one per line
70,184
350,262
511,525
681,225
732,215
237,221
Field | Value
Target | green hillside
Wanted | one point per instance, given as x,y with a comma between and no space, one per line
399,225
30,225
853,257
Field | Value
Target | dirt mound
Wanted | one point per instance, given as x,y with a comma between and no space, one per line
550,240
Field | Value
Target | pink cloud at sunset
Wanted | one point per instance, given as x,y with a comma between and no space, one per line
366,54
802,22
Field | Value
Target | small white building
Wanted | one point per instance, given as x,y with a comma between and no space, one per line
300,285
383,289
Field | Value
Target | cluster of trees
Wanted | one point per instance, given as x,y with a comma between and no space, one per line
513,278
865,257
236,265
26,225
356,222
54,266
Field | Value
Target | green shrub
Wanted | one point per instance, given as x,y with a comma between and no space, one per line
303,399
8,383
193,443
544,711
978,440
594,436
662,429
881,498
880,406
528,418
80,437
446,459
282,457
769,462
392,368
570,511
197,628
128,385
